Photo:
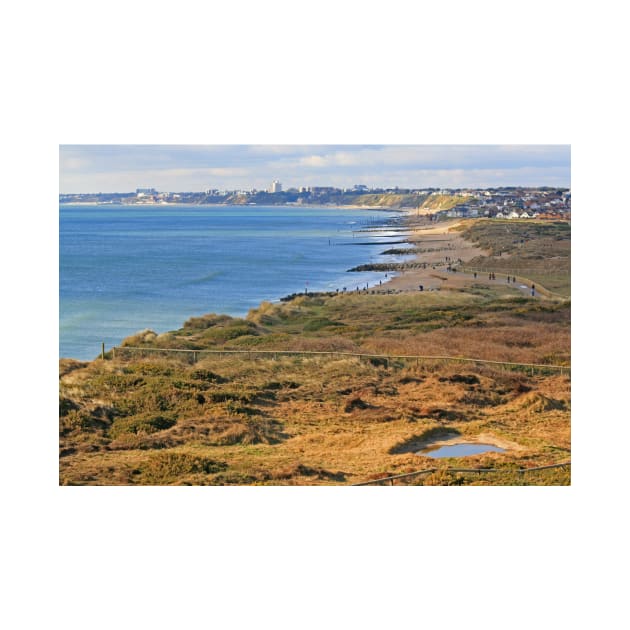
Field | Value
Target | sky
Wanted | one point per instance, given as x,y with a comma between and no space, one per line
177,168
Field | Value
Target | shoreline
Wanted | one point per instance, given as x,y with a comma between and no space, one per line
427,269
383,224
432,275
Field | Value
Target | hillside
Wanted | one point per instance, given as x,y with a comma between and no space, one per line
435,202
145,415
387,200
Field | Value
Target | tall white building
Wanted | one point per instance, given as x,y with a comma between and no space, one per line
276,186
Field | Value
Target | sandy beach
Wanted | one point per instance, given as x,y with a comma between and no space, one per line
444,249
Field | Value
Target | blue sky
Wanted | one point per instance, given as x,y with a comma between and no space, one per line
123,168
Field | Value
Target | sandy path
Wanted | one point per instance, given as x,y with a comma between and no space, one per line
448,248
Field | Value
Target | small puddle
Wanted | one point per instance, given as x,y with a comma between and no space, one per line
458,450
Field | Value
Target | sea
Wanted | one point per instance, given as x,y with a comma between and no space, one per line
127,268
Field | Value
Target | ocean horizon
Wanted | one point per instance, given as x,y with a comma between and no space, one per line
126,268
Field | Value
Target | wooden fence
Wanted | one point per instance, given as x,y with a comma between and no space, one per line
393,478
382,359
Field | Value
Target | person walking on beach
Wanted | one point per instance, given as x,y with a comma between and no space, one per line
533,289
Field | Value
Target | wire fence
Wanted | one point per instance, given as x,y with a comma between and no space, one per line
407,476
386,360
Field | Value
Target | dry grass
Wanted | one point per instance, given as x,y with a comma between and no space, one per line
234,420
345,419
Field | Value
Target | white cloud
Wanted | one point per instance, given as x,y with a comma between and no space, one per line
93,168
316,161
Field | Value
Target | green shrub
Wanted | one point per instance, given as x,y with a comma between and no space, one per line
228,396
140,424
206,375
166,467
66,405
221,334
321,322
207,321
139,339
75,419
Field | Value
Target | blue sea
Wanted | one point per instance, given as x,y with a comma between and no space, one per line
123,269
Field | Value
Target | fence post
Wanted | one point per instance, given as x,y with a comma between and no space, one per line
103,350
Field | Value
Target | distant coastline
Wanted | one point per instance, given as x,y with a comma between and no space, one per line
158,204
506,202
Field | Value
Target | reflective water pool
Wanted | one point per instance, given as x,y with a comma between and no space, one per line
458,450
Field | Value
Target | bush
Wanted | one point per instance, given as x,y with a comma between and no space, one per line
207,321
251,431
356,403
321,322
142,424
76,419
206,375
66,405
139,339
166,467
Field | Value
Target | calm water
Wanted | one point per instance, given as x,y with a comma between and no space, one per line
123,268
459,450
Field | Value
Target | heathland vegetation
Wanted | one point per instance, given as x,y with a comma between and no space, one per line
148,415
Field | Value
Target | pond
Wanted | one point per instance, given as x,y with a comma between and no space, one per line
458,450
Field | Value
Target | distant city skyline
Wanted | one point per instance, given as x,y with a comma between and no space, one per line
177,168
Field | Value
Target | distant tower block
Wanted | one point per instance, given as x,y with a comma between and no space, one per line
140,192
276,186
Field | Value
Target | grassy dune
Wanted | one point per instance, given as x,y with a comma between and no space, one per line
539,250
295,420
